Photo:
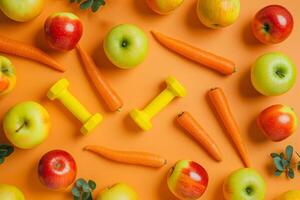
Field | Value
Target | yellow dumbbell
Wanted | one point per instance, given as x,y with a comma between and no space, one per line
60,91
143,117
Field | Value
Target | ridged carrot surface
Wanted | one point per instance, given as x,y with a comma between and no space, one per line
21,49
188,123
128,157
219,102
109,96
210,60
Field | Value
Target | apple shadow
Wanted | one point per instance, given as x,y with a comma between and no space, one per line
248,36
218,193
4,20
143,8
254,133
246,88
163,190
3,139
192,19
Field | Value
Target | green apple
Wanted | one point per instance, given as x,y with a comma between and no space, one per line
26,125
218,13
244,184
7,76
126,46
21,10
10,192
290,195
119,191
273,74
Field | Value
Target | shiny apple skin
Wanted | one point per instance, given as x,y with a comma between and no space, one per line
278,122
63,31
187,180
272,24
57,170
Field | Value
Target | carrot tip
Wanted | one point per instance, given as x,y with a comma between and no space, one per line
165,162
180,114
119,109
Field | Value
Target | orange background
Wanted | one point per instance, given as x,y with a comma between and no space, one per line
137,87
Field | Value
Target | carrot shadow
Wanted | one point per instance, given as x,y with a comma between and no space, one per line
164,191
246,88
255,134
218,193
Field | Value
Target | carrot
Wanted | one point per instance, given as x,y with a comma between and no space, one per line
187,122
109,96
219,102
128,157
17,48
197,55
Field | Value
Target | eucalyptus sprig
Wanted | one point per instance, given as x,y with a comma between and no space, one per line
5,151
284,163
94,5
83,190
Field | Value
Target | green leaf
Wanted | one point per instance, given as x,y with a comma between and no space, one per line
1,160
97,4
76,198
86,195
285,163
298,167
86,187
273,155
75,192
3,152
92,184
80,182
86,4
281,155
291,173
278,163
289,152
278,173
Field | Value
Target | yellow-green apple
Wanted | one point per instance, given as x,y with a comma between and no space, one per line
63,31
164,7
272,24
126,46
26,125
218,13
21,10
244,184
7,76
119,191
278,122
273,74
290,195
10,192
57,169
187,180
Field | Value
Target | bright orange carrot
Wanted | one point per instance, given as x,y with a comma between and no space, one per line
17,48
219,102
129,157
109,96
202,57
187,122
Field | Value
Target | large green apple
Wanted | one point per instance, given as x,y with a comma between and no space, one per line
119,191
10,192
273,74
21,10
26,125
244,184
218,13
126,46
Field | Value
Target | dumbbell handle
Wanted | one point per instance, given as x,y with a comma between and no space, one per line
74,106
157,104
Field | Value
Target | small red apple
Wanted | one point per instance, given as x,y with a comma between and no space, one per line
187,180
57,169
63,31
272,24
278,122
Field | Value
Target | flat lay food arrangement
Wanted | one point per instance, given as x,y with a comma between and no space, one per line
149,99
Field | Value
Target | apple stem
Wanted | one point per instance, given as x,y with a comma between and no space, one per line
24,124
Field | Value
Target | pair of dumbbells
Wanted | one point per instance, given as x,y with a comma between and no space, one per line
142,118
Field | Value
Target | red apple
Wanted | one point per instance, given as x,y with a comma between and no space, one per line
272,24
63,31
278,122
57,169
187,180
